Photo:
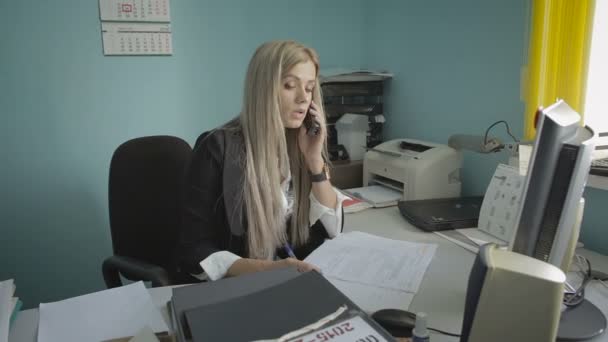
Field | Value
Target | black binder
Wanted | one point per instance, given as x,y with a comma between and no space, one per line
271,312
208,293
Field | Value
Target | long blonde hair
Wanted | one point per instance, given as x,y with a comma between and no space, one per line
272,151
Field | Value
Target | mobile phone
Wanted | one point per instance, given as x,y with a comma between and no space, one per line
312,126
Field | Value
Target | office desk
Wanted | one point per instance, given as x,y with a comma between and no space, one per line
443,289
441,293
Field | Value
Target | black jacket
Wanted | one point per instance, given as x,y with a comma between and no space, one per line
213,217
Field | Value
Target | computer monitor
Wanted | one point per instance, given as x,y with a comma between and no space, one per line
551,201
550,212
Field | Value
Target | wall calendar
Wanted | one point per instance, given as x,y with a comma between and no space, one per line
135,27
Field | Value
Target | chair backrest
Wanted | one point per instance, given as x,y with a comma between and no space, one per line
145,196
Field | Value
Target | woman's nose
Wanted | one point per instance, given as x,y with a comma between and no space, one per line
301,95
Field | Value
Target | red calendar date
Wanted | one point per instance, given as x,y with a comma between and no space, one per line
330,333
353,330
336,331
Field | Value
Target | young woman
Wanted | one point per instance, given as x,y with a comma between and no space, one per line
258,195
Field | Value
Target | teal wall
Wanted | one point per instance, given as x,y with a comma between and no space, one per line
457,70
64,107
456,66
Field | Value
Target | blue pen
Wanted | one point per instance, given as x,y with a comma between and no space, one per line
291,254
289,251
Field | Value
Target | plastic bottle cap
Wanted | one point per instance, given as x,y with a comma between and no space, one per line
420,329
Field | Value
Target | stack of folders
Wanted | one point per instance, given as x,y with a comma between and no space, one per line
9,307
353,204
277,305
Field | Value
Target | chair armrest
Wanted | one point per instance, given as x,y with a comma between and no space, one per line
132,269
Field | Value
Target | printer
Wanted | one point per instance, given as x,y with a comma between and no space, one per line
418,169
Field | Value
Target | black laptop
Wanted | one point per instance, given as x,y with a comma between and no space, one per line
443,213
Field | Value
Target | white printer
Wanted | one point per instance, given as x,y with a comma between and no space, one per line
419,169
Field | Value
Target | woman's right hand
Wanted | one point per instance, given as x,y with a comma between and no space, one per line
246,265
302,266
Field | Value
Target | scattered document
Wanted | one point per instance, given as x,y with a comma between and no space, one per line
460,239
370,260
377,195
498,213
371,298
480,237
470,238
99,316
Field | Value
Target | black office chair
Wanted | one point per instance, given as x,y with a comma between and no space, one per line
145,195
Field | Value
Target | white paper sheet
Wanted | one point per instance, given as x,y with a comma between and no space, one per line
370,298
480,237
377,195
498,213
367,259
460,239
104,315
6,294
525,153
470,238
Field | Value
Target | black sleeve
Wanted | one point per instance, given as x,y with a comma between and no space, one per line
204,228
317,236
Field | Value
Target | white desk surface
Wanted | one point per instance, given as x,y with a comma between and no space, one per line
441,293
443,289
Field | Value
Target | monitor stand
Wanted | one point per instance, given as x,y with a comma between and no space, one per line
585,320
581,322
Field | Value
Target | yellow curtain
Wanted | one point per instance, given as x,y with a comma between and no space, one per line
558,54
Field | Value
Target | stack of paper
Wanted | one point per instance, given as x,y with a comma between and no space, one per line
9,307
377,195
100,316
374,272
470,238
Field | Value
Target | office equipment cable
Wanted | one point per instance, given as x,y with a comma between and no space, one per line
485,137
572,299
443,332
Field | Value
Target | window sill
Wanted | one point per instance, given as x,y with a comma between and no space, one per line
598,182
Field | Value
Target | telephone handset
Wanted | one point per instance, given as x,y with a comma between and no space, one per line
313,127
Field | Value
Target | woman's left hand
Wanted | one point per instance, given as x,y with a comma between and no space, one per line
312,146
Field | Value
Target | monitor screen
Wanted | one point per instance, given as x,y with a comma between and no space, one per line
551,199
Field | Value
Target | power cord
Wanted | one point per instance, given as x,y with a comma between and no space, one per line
443,332
575,298
485,137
